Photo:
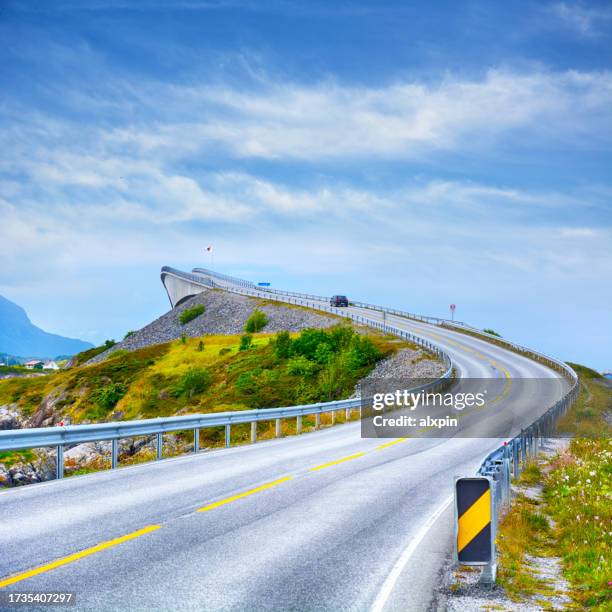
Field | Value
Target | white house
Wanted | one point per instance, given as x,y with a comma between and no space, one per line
50,365
34,364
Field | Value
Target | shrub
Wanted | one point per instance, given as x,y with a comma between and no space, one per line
362,353
246,383
225,350
492,332
109,344
128,334
282,346
200,346
324,353
108,396
256,322
194,381
245,342
307,342
301,365
189,314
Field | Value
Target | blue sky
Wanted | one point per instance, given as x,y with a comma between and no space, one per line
411,154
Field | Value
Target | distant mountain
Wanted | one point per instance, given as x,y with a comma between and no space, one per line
18,336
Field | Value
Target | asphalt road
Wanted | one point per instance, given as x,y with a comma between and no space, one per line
323,521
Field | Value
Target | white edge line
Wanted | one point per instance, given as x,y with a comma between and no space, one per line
400,564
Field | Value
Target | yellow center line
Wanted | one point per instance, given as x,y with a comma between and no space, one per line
336,462
76,556
387,444
229,500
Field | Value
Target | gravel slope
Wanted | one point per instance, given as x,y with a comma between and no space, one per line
226,313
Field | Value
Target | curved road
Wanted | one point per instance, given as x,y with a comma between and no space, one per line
322,521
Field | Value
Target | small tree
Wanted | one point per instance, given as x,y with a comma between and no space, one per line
256,322
282,347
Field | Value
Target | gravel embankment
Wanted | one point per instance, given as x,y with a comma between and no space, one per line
226,313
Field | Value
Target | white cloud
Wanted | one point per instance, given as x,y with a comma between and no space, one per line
586,21
402,120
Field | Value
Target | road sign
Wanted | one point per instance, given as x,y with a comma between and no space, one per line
452,309
474,524
263,284
453,306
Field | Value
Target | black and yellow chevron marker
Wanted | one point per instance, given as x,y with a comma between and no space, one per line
474,514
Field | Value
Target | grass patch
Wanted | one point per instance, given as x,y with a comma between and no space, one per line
574,518
9,458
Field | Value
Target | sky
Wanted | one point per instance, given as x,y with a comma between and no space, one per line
409,154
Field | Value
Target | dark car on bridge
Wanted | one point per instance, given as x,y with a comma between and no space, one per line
338,300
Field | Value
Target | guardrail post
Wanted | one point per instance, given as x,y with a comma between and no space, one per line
196,440
253,432
515,459
228,438
160,444
114,453
347,414
59,462
298,424
333,417
277,427
317,420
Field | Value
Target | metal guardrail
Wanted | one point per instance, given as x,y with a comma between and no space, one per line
308,296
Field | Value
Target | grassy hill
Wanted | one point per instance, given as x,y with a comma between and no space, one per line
207,374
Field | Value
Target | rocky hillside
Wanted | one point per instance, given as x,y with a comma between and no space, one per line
225,313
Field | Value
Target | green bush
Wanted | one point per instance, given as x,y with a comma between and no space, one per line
301,365
109,395
200,346
128,334
245,342
189,314
282,345
109,344
362,353
225,350
193,382
256,322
